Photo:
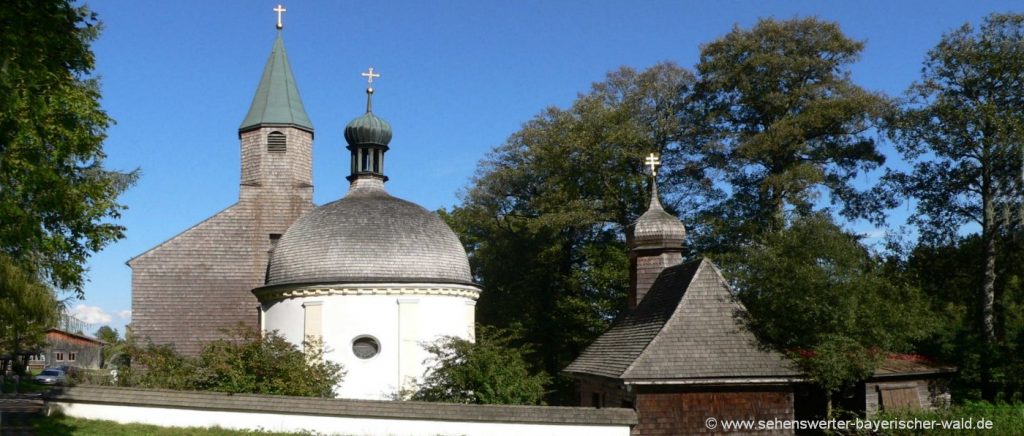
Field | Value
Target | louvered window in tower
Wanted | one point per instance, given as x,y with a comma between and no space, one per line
277,142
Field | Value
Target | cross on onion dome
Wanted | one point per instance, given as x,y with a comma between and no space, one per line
653,162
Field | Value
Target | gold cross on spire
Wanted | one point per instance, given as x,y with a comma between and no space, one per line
369,75
280,11
653,162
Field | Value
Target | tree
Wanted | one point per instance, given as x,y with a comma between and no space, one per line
782,121
490,371
544,222
812,273
56,198
114,354
962,128
27,309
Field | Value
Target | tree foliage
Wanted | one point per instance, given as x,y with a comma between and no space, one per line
243,362
783,122
962,128
489,371
56,198
544,222
812,273
27,309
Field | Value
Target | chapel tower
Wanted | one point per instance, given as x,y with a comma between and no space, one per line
190,287
656,243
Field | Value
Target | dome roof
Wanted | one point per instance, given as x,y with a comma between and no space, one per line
369,237
657,227
368,129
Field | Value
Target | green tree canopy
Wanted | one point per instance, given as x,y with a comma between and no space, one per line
812,273
56,198
783,122
962,128
489,371
27,309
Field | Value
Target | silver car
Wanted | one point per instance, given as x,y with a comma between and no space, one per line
51,377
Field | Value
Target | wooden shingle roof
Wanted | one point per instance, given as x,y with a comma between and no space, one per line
685,330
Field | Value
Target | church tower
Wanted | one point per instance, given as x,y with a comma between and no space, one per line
277,147
190,287
656,244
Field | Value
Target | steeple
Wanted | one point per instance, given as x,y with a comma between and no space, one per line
656,243
368,137
277,102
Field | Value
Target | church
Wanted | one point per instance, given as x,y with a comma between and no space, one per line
371,278
370,275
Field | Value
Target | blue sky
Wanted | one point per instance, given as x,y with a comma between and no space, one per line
458,78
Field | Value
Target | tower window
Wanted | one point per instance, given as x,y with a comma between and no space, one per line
277,142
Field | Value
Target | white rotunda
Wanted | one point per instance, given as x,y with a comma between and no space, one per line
373,276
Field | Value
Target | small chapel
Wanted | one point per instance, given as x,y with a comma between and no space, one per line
370,277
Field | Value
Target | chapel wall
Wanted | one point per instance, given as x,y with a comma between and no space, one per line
667,412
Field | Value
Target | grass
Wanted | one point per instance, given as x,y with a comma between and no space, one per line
63,425
1005,418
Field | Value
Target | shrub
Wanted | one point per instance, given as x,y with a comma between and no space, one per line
243,362
486,372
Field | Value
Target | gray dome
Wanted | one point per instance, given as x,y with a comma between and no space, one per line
369,236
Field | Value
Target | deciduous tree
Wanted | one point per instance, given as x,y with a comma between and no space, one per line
57,201
783,122
962,128
813,292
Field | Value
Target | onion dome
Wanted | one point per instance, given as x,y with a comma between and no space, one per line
657,228
368,129
368,137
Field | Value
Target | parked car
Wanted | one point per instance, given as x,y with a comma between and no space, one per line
51,376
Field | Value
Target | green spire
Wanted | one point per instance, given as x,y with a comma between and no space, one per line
277,101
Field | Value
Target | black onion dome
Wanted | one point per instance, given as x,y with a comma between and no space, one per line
368,129
369,237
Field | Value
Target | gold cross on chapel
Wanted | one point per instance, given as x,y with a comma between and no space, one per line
369,75
653,162
280,11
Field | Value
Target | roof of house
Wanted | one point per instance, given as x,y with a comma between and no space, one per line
685,330
902,365
76,336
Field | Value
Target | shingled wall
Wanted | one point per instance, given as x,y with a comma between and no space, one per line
185,290
672,412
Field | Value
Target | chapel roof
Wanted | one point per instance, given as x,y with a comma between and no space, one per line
277,101
685,329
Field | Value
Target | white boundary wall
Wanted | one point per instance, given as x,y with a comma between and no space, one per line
347,417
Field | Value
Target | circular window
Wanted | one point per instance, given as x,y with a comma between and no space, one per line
365,347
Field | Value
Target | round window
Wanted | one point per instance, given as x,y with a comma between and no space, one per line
365,347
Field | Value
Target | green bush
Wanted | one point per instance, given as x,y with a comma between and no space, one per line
1006,419
488,371
244,362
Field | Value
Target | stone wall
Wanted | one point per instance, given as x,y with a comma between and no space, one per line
674,411
332,416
